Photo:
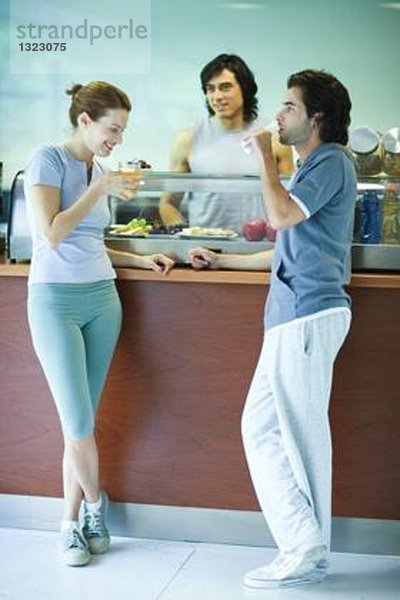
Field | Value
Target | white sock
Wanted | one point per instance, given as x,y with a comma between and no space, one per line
93,506
69,525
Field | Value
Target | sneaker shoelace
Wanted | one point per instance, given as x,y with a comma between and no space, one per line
76,540
94,526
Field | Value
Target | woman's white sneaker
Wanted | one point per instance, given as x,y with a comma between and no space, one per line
74,548
94,526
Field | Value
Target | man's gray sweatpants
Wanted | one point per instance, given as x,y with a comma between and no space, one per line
286,430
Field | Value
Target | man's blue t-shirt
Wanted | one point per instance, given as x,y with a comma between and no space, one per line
312,259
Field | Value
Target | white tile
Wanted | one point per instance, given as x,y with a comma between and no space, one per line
358,577
215,573
133,570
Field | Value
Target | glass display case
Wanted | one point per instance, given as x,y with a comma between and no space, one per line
178,240
376,243
376,231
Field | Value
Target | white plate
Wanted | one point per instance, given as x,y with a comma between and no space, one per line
185,236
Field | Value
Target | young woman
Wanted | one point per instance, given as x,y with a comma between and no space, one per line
73,307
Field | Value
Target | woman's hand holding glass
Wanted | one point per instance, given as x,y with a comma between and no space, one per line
123,185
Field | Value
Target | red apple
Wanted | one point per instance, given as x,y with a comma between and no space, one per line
254,231
270,232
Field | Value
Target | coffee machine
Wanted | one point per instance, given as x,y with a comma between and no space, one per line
19,242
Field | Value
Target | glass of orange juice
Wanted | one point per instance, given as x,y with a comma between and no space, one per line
130,171
129,168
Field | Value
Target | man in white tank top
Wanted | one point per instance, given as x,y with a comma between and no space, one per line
214,147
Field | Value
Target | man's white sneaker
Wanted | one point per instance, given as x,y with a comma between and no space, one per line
289,570
74,548
94,527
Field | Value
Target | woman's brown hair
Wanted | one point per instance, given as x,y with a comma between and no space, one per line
95,98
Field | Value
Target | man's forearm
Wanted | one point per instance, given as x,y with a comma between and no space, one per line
260,261
276,198
281,209
170,214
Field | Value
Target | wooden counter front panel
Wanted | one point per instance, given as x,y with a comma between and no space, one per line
365,409
30,439
182,370
169,426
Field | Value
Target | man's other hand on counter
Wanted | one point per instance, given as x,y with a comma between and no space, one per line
203,258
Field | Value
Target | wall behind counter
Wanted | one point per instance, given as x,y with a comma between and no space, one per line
357,40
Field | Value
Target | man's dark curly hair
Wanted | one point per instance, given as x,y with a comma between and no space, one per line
244,77
326,99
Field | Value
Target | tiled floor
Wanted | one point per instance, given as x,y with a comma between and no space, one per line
139,569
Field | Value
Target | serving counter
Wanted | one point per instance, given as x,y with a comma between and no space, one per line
169,423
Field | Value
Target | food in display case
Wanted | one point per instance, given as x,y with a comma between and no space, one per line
138,227
254,230
258,229
133,166
207,233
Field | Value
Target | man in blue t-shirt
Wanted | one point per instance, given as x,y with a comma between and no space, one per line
285,423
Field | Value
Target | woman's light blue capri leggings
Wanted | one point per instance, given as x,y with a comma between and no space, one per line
75,328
